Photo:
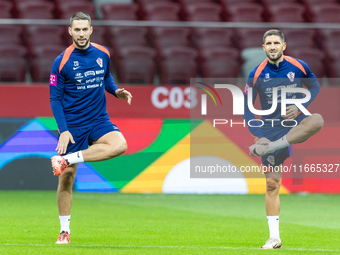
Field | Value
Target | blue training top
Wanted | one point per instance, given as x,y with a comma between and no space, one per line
291,73
78,82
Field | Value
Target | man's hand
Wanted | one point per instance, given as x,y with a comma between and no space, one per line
64,139
291,112
262,141
124,94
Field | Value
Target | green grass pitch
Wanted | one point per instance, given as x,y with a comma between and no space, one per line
167,224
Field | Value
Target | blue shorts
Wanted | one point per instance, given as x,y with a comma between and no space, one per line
274,133
84,137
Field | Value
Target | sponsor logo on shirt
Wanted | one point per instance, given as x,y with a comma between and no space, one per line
100,62
89,73
53,79
99,71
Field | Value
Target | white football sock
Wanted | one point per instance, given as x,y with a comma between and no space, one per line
65,223
278,144
273,223
74,158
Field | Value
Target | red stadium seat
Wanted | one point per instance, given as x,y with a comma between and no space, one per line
213,37
220,62
37,35
164,37
5,10
162,11
48,50
12,50
203,12
286,12
314,59
41,69
98,35
35,10
250,37
67,9
178,65
325,13
119,37
119,11
299,38
10,74
10,34
333,65
136,65
245,12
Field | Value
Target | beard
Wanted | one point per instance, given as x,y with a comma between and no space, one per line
278,56
81,46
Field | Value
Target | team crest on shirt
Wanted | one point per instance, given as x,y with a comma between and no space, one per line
291,76
271,160
100,62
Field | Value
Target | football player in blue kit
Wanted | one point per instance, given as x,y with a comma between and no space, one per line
272,138
78,81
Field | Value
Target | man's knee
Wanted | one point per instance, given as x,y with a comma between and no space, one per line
118,148
273,185
316,122
66,179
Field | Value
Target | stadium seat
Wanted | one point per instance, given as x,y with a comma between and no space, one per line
286,12
256,35
203,12
37,35
178,65
120,37
206,38
10,74
164,37
10,34
220,62
41,68
314,59
12,50
325,13
34,10
299,38
119,11
5,10
333,65
251,57
48,50
250,12
98,35
226,3
67,9
136,65
162,11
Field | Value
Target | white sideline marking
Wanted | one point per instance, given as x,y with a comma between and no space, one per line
173,247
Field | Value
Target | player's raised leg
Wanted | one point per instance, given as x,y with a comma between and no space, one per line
64,198
272,203
307,127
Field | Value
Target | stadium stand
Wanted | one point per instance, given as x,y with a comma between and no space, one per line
116,11
219,62
5,10
198,45
136,65
178,65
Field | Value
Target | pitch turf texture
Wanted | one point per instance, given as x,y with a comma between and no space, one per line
167,224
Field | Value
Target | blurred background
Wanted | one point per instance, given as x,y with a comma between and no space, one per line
156,47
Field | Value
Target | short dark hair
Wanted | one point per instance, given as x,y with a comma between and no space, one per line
80,16
274,32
